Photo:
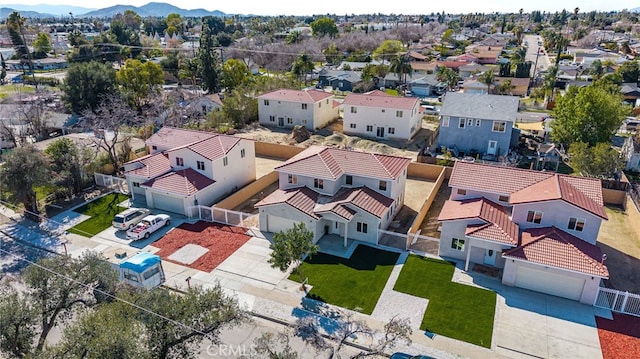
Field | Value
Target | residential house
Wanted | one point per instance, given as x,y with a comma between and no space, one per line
473,86
631,153
485,54
339,79
539,228
471,69
465,58
427,85
423,67
631,93
205,104
186,168
380,115
346,193
312,109
46,64
478,123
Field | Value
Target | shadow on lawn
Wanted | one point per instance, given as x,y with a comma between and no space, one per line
624,270
363,258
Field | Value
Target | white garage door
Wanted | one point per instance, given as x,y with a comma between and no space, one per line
276,224
167,203
550,283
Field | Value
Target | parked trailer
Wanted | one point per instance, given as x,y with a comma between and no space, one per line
141,270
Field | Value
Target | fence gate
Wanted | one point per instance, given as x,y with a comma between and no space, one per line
618,301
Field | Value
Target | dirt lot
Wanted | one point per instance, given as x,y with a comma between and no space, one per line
619,238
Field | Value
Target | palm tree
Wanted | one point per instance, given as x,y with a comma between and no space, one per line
400,66
302,66
487,78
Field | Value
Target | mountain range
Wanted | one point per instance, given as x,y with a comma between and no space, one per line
154,9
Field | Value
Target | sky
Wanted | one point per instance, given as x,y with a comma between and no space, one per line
296,7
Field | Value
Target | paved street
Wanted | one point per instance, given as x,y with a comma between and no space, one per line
533,53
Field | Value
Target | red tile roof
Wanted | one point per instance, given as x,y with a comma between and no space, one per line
585,193
325,162
184,182
151,166
375,100
309,96
302,198
213,147
553,247
171,137
498,226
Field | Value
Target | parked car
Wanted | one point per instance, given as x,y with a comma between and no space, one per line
129,218
429,109
147,226
409,356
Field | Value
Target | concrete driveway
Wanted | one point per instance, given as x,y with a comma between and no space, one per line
535,325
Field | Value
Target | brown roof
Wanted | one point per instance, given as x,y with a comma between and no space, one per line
325,162
376,100
212,148
583,192
484,51
183,182
313,204
551,246
423,66
151,165
309,96
559,187
519,86
498,226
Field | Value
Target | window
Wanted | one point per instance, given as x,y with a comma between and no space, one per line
266,102
383,110
225,161
369,128
354,109
179,161
382,185
292,179
361,227
469,122
349,179
304,122
289,120
445,121
462,192
319,104
503,198
461,123
499,126
398,113
304,106
318,183
352,125
150,273
154,147
242,153
327,104
131,276
457,244
534,217
272,118
392,130
576,224
200,165
135,184
478,122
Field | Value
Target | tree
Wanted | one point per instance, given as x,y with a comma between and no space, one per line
42,45
18,324
448,76
589,114
175,24
3,69
400,66
24,169
15,25
274,346
324,26
596,69
234,73
600,161
302,66
629,71
487,78
292,246
209,68
140,81
67,163
504,88
189,69
86,83
388,49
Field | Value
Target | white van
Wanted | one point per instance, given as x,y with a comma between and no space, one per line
129,218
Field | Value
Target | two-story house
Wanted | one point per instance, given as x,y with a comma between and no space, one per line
347,193
540,228
380,115
478,123
312,109
186,168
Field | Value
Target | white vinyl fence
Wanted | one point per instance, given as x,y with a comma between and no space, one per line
618,301
220,215
115,183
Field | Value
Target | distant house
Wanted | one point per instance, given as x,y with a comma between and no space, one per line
631,93
427,85
519,86
478,123
377,114
46,64
186,168
471,69
206,104
631,153
485,54
539,228
339,79
348,194
312,109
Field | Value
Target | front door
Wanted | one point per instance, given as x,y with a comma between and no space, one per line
489,257
280,121
493,145
380,132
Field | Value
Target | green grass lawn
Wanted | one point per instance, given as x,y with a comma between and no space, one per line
392,92
354,283
455,310
101,211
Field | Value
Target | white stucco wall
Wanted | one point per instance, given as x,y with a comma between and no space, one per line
317,114
405,127
456,229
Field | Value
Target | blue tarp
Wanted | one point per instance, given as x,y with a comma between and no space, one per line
140,262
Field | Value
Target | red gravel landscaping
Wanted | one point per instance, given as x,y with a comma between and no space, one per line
221,240
620,337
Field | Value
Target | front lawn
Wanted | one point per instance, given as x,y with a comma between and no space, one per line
101,211
455,310
354,283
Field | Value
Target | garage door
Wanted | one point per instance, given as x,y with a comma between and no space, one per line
167,203
550,283
276,224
